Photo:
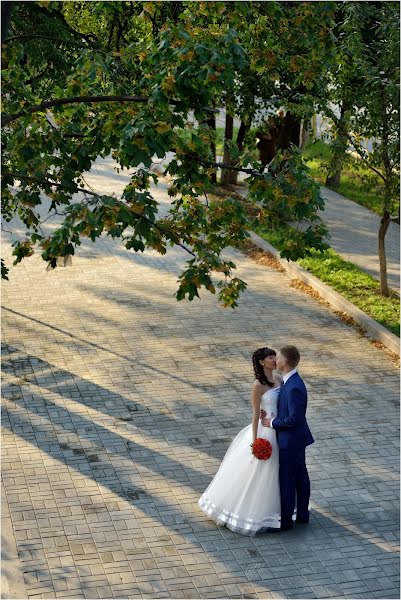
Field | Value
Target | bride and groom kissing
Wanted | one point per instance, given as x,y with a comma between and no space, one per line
249,495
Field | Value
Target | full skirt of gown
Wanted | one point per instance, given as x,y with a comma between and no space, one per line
244,495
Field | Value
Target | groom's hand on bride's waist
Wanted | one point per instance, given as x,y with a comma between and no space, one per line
265,420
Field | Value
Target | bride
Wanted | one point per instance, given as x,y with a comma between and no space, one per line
244,495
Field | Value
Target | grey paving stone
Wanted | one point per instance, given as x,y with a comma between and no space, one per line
118,411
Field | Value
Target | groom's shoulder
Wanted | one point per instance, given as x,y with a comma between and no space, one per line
297,380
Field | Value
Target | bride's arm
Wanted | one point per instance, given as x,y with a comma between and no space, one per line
257,390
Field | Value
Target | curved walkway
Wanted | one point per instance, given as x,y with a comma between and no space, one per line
354,229
353,234
119,404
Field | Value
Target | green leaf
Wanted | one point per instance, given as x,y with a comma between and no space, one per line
134,244
4,270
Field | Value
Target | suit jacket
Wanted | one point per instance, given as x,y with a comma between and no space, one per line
293,432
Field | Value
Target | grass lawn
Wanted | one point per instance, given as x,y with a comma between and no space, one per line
350,281
353,179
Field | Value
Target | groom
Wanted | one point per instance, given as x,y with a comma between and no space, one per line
293,435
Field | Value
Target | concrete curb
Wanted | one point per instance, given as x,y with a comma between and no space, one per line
372,328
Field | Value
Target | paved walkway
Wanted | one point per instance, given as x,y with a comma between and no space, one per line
119,404
353,234
354,229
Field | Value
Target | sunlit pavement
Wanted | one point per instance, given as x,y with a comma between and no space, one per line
119,404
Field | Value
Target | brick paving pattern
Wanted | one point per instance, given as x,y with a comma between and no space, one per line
119,404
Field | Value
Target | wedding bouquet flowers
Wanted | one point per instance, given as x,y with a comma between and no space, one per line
262,449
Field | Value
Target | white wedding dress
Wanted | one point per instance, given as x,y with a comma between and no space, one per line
244,494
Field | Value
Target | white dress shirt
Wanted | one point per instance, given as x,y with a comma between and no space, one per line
285,379
288,375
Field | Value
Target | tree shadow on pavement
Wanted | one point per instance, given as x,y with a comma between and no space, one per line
328,557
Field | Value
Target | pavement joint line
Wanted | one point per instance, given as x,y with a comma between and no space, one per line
372,327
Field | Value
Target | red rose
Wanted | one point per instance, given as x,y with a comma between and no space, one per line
262,449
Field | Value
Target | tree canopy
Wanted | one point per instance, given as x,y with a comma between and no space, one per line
83,80
365,84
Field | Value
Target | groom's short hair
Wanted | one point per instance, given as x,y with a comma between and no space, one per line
291,355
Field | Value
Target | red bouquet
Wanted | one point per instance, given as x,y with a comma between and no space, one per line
261,448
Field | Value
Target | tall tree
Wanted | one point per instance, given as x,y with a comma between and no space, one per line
367,82
290,47
130,96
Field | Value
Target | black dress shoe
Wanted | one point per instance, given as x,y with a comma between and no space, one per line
287,527
300,521
278,529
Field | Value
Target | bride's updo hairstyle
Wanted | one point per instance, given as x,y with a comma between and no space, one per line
258,355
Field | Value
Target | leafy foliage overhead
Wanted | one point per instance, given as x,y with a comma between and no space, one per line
121,79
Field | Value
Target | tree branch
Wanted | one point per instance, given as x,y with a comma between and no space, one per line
6,230
6,119
75,100
353,143
28,36
363,159
232,168
169,235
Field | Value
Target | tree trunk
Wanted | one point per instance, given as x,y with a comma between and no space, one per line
6,10
384,225
243,129
289,131
314,127
386,218
305,129
211,122
228,136
339,147
334,180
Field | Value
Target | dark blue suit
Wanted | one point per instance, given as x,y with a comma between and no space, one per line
293,435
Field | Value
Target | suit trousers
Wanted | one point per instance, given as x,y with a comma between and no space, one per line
294,483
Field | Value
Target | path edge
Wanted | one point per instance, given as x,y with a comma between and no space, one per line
372,327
